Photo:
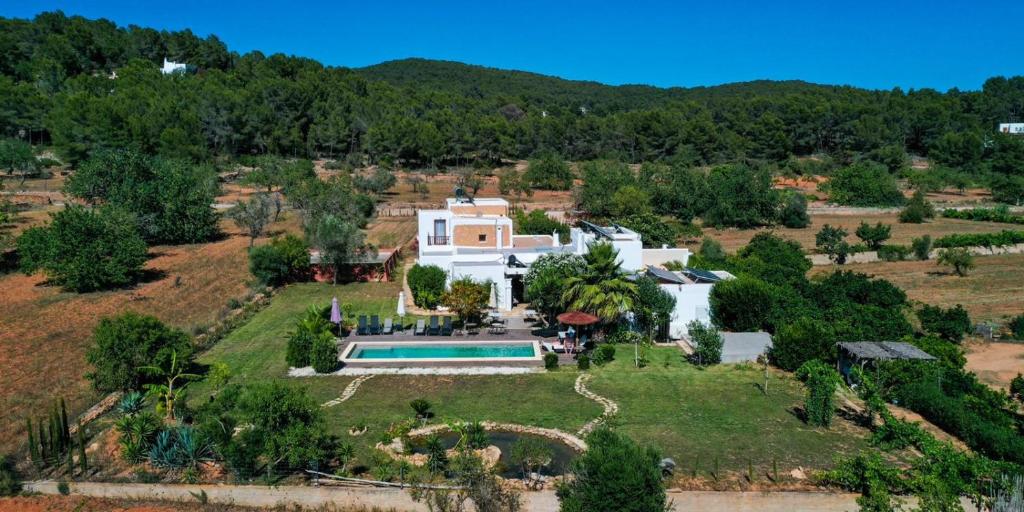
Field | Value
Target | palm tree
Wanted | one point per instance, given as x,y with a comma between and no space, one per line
602,289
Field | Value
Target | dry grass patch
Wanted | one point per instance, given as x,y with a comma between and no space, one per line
992,291
45,332
996,363
733,239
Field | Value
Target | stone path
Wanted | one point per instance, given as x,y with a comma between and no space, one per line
610,408
349,390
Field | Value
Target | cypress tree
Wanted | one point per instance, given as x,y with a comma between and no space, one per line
65,433
33,447
42,442
54,448
70,461
82,463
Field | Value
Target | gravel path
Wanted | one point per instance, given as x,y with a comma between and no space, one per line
610,407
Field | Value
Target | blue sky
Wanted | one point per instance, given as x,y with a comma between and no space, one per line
875,44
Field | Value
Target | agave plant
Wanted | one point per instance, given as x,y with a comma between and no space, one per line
163,453
191,448
138,430
131,403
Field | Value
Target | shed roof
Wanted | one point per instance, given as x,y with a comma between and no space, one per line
884,350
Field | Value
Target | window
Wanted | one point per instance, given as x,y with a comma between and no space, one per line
483,237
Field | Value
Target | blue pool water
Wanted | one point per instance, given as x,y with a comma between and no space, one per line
427,351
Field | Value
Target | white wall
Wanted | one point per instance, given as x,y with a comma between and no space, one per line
692,303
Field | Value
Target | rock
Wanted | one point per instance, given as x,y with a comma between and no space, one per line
798,474
667,466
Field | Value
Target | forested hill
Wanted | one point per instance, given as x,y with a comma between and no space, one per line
542,91
80,85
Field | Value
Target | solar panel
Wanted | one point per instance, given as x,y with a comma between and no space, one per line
701,275
664,275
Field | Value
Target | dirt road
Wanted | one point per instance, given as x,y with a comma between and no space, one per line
397,499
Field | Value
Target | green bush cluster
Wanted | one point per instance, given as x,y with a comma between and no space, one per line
550,361
426,282
949,323
312,343
283,260
1000,239
603,354
614,474
998,214
892,252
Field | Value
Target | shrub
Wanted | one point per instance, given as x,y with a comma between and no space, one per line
583,362
893,252
821,380
125,343
281,261
831,241
873,236
549,172
1000,239
707,344
324,353
603,354
863,184
794,212
998,214
922,247
742,304
537,222
421,407
613,474
1016,327
960,258
10,483
426,282
917,210
803,340
1017,388
300,346
551,361
951,324
85,250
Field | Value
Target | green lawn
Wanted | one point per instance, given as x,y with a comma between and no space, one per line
688,413
696,416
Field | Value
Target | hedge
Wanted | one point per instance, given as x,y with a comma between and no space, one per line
1002,238
1002,215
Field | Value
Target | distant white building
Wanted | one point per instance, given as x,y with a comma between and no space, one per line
1012,128
474,238
173,67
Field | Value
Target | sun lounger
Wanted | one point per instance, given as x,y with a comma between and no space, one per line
374,324
389,327
362,329
556,347
434,327
421,327
585,343
446,326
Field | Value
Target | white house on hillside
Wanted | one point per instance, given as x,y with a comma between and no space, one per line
474,238
173,67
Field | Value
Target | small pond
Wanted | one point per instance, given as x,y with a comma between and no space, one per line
561,453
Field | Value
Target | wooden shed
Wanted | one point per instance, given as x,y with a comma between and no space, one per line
866,353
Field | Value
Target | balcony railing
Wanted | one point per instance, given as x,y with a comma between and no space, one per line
438,240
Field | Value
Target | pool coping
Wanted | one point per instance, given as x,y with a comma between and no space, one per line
535,360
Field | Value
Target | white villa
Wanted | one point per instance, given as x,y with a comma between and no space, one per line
171,67
474,238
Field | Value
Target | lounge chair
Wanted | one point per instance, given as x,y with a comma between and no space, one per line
421,327
374,324
434,327
556,347
389,327
362,330
446,326
585,343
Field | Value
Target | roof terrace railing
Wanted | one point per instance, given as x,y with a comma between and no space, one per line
438,240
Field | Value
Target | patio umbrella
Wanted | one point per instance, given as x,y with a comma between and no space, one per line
400,310
577,318
335,312
492,301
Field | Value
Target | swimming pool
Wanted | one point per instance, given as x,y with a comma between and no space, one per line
392,353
